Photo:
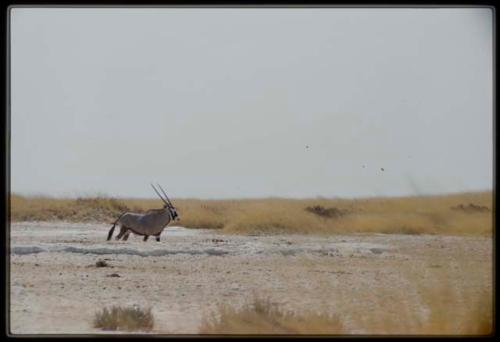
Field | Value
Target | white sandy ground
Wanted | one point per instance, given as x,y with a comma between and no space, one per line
55,287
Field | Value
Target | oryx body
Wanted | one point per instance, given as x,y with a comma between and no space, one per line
150,223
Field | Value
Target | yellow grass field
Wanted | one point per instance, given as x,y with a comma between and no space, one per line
464,213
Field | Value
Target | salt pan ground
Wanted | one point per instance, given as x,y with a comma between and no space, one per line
56,288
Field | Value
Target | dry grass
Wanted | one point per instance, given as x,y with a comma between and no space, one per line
448,313
126,319
97,209
442,308
264,318
406,215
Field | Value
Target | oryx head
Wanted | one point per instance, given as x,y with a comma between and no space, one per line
167,203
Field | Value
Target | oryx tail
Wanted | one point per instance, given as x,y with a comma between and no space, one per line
110,234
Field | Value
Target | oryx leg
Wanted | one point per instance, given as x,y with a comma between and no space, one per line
158,237
125,237
146,237
123,230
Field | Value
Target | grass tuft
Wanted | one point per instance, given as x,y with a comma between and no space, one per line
126,319
265,318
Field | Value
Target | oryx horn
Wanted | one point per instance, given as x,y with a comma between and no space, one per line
164,201
168,199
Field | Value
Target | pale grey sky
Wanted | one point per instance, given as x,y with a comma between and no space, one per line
240,102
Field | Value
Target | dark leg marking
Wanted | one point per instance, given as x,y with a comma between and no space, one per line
146,237
123,230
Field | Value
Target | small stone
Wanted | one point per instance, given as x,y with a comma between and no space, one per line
101,263
113,275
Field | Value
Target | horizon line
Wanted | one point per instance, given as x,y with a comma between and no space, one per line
318,197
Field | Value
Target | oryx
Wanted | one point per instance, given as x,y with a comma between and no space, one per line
151,223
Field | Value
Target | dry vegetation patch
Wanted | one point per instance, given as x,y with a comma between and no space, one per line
93,209
447,311
444,309
471,208
327,212
264,318
404,215
124,318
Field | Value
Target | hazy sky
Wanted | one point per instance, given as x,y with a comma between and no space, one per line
235,102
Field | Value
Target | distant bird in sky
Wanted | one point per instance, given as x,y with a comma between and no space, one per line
382,169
